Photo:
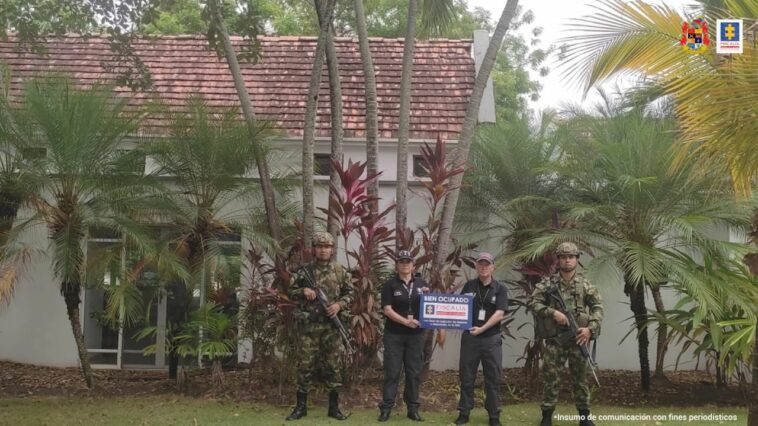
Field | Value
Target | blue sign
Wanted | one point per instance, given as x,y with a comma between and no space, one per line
451,311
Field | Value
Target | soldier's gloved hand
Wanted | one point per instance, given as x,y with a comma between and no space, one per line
332,310
583,336
560,318
309,294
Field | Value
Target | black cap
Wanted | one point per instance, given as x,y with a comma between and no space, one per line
404,255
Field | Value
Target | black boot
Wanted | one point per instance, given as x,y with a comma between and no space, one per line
414,415
384,414
334,409
585,414
301,408
462,418
547,417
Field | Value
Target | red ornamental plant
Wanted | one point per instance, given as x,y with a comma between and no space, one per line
349,201
350,208
437,186
532,272
268,319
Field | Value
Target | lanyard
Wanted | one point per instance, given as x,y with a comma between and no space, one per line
478,293
409,290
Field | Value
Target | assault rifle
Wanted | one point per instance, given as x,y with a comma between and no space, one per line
574,331
324,302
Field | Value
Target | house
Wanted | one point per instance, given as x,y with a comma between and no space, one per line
34,328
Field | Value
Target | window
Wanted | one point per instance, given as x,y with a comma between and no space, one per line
30,156
418,166
322,164
33,154
109,257
129,161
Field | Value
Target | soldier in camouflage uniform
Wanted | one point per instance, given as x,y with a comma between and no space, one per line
321,343
583,300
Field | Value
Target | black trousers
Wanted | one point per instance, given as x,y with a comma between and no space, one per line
489,352
402,351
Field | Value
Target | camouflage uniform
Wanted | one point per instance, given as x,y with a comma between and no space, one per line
321,342
584,301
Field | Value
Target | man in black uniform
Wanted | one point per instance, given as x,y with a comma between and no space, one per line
483,342
403,339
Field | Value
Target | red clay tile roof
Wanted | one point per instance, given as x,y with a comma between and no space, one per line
443,77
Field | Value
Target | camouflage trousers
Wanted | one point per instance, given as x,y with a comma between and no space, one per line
554,359
320,347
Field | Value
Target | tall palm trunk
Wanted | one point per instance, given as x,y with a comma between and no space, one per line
372,127
267,187
752,418
663,340
309,129
467,133
752,262
401,194
636,294
335,100
70,291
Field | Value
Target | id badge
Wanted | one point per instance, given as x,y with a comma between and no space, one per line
482,314
410,316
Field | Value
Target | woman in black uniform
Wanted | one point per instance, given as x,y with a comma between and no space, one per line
403,339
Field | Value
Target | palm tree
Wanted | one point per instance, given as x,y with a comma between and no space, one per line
714,95
633,215
309,129
401,210
83,182
467,133
435,16
206,156
372,126
218,26
335,100
512,178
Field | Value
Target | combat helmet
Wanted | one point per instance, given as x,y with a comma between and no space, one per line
323,239
567,248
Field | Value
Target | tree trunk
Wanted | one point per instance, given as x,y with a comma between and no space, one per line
372,132
217,374
401,194
335,100
309,129
752,417
70,291
636,295
467,133
267,187
663,341
752,262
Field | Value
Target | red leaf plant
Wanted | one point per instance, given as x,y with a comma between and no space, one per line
350,208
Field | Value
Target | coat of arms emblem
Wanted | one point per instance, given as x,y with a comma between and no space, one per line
695,38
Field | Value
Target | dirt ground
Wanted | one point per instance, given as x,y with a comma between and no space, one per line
439,391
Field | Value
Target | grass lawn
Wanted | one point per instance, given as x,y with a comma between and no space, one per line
172,410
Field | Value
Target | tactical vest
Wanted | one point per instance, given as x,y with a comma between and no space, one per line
574,296
329,280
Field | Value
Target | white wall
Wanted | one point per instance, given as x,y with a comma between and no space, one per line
34,328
